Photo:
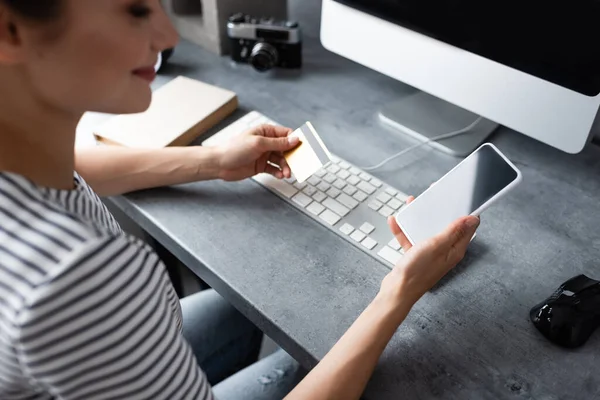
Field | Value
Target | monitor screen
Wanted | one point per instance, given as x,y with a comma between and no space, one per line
555,41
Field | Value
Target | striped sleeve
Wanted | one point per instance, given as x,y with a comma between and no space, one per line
105,327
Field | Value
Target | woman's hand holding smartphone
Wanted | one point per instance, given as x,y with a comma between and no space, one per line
468,189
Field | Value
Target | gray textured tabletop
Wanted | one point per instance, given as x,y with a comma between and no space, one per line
470,337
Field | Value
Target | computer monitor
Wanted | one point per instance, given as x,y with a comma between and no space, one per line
533,66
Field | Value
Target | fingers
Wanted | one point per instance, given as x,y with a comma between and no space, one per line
276,172
279,160
272,131
400,236
275,140
278,144
459,249
459,231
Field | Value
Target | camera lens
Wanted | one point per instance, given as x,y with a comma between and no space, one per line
264,57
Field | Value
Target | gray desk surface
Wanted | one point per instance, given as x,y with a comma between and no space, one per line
470,338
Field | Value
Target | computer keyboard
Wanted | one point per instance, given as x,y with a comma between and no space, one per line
346,200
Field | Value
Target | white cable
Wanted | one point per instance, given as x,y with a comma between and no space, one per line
416,146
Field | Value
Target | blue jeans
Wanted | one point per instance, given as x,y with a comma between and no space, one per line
226,345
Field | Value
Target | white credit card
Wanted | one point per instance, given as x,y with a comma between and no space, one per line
309,156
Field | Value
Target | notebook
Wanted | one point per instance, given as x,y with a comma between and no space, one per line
180,112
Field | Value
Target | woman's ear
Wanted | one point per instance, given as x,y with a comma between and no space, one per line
11,49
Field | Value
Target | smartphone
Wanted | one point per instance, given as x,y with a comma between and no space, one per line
468,189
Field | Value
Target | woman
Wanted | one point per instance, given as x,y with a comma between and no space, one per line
86,311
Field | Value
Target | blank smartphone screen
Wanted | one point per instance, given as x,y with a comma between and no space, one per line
461,192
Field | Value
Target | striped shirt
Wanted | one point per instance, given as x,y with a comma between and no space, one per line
86,311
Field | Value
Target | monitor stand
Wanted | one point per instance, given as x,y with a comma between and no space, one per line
424,116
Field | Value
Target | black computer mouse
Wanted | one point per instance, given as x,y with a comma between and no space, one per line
571,314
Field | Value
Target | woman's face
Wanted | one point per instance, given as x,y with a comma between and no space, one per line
98,56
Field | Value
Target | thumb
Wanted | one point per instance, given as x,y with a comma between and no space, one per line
461,230
277,144
398,234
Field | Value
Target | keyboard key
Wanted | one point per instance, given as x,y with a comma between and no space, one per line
375,182
358,236
333,193
367,228
309,190
323,186
282,187
330,178
302,200
369,243
394,244
300,185
365,176
402,197
391,192
343,174
319,196
383,197
395,204
330,217
334,169
355,171
313,180
336,207
344,164
321,173
353,180
389,255
315,208
347,201
340,184
386,211
290,180
375,205
366,187
335,160
350,190
360,196
347,229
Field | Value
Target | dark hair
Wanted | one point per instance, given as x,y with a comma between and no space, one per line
38,10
